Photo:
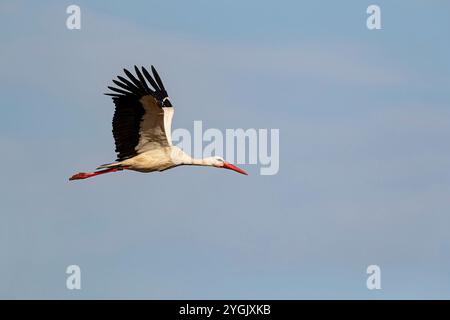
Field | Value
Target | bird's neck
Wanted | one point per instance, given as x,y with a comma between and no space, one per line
180,157
202,162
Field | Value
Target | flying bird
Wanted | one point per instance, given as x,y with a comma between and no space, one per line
141,127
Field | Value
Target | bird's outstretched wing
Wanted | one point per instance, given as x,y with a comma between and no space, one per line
143,117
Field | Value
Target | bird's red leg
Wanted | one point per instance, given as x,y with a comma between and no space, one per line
85,175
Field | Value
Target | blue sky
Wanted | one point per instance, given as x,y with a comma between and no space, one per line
364,129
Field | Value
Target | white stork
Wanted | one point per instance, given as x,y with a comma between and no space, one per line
142,129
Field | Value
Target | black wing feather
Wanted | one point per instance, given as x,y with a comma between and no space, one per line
127,82
126,123
158,80
119,91
129,110
150,79
126,87
136,82
142,80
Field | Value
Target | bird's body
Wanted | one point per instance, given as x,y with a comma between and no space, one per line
142,129
153,160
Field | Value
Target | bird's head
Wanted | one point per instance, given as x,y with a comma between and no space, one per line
219,162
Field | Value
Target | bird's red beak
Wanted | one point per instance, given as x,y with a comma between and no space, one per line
229,166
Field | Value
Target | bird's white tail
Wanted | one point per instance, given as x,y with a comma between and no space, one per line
109,165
